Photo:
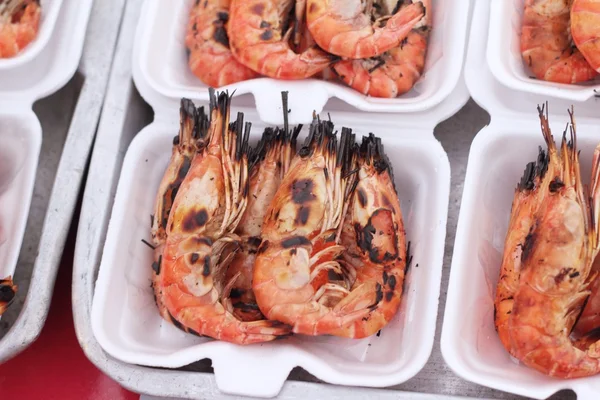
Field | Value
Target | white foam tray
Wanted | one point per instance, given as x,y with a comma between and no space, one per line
498,156
20,142
50,11
504,56
52,65
163,64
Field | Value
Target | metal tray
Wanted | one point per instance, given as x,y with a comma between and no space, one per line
124,114
69,119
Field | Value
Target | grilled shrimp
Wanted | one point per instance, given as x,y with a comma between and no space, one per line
270,162
550,282
8,290
19,23
317,269
397,70
585,29
262,34
200,240
193,128
529,194
546,45
361,28
210,58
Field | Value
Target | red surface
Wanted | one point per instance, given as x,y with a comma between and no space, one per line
54,367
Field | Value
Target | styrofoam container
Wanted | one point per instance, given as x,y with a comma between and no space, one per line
499,153
163,63
50,12
506,63
127,324
20,142
29,78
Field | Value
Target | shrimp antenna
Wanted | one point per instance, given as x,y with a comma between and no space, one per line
573,126
284,101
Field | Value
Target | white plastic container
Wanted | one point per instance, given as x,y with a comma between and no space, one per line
50,12
163,64
499,153
506,63
125,320
21,83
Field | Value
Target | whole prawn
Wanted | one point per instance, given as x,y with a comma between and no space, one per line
555,262
261,35
200,240
210,58
8,290
19,24
396,71
546,45
270,161
303,275
192,131
361,29
585,29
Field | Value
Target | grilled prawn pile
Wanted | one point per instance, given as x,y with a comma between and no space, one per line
251,244
19,23
560,39
547,306
377,47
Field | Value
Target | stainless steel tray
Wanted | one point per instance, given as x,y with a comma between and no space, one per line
69,119
124,114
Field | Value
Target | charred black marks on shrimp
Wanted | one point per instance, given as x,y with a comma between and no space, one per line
528,244
7,293
171,192
194,220
295,241
302,215
362,197
156,265
366,234
220,33
203,240
206,266
372,152
378,295
379,62
177,324
528,179
535,170
556,185
409,259
389,296
392,282
263,247
254,241
193,332
194,258
266,35
564,272
302,191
